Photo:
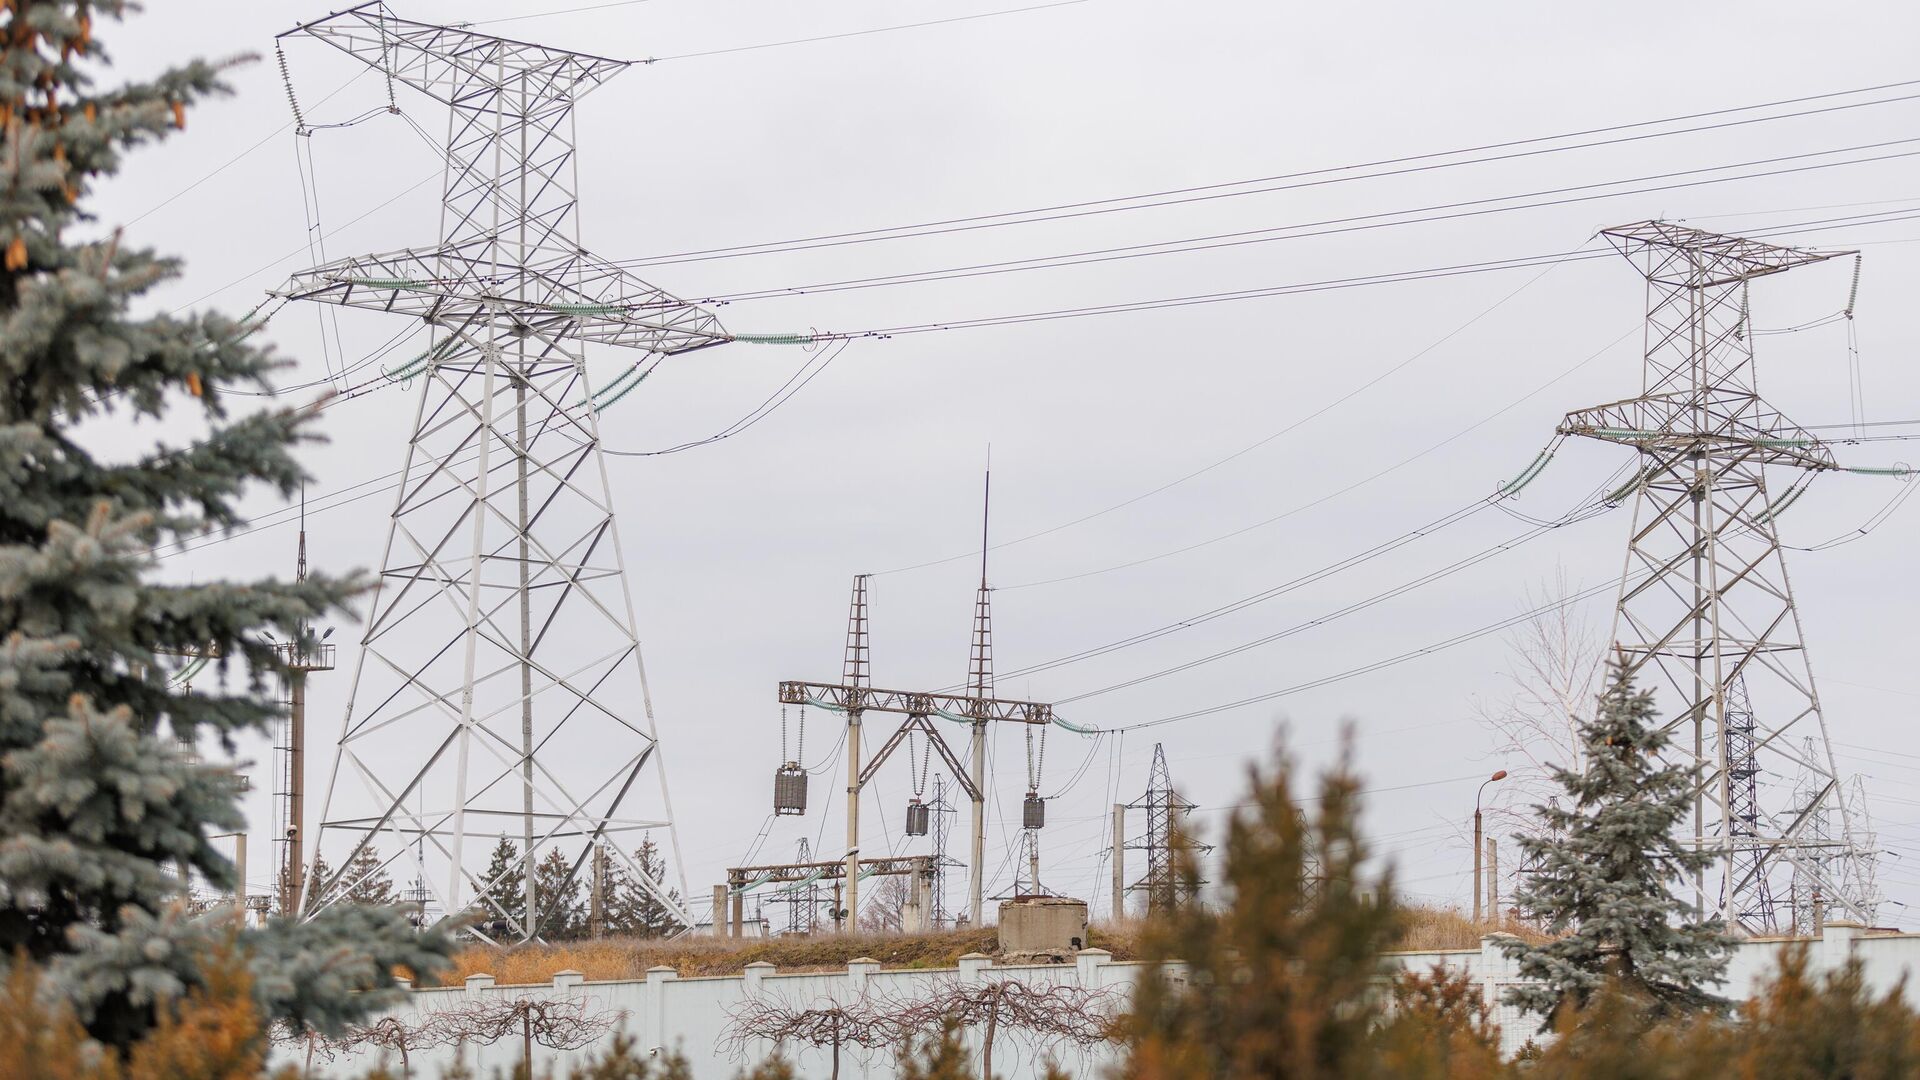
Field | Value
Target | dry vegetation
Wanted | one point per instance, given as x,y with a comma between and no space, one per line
629,958
1427,929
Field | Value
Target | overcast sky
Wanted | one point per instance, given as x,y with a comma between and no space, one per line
741,552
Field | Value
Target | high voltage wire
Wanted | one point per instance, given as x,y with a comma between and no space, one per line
1292,289
1243,451
1393,661
864,33
1470,208
1378,665
1318,621
1427,274
1389,470
1330,175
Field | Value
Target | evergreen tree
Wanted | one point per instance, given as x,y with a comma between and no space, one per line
1604,887
1284,982
631,909
319,879
557,898
99,801
366,881
507,899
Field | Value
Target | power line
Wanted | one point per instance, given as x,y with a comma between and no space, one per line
1453,211
1264,440
862,33
1378,665
1297,288
1419,275
1220,189
1318,621
1356,485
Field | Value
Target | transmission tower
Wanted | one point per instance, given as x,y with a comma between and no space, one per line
1165,809
1756,912
801,899
942,813
1810,895
1705,602
500,672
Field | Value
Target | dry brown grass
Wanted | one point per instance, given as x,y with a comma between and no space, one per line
1427,929
1431,928
629,958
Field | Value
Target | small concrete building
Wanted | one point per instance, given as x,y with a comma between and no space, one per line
1036,926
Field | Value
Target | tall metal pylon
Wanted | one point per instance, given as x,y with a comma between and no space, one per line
1164,807
500,678
1705,602
1756,913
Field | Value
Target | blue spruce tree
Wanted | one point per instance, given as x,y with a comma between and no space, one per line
1609,861
99,802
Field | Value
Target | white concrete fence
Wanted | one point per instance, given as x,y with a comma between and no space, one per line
691,1016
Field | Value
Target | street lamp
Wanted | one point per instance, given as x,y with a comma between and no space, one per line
1477,894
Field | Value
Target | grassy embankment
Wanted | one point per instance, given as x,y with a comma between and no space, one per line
629,958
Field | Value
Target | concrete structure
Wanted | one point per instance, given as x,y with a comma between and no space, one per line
1034,926
691,1015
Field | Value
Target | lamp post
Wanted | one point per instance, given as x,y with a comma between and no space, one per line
1477,847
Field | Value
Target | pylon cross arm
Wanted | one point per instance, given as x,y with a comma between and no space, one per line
588,299
447,63
1670,254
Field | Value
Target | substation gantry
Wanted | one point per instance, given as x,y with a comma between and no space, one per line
855,697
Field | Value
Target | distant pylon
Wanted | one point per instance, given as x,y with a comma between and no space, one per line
1705,601
1165,810
1756,912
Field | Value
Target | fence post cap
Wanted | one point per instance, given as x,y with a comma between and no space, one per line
479,981
761,965
567,978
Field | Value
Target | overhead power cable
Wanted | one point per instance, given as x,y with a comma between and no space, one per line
1291,289
1378,665
1468,208
1395,166
1458,566
1251,447
863,33
276,519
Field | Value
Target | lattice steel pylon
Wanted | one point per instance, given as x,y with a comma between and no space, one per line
500,678
1756,912
1164,806
1705,602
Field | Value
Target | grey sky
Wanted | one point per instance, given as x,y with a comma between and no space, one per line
742,551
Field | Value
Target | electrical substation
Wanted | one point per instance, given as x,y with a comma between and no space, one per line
497,689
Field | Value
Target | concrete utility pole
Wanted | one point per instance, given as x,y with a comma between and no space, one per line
1119,861
1477,894
1493,878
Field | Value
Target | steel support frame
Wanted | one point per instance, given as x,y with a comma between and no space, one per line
1705,609
501,621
